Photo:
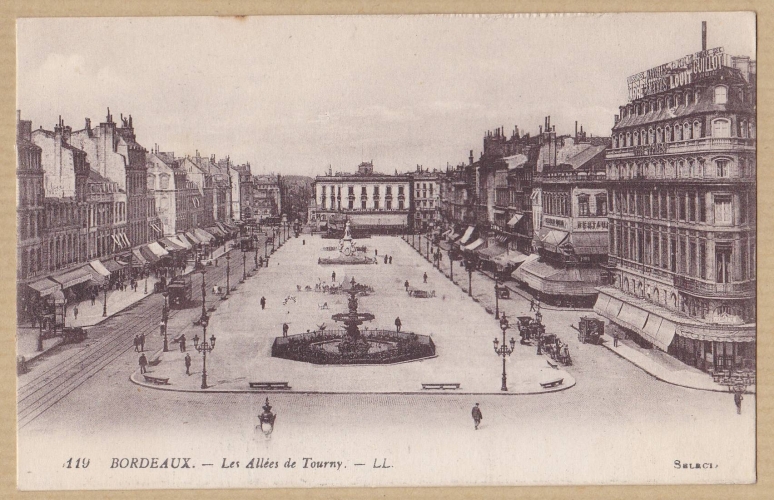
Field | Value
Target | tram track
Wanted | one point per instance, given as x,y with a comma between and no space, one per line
39,394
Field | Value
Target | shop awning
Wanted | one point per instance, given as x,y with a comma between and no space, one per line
138,256
490,252
545,278
193,238
554,237
216,231
72,278
510,258
171,245
633,316
515,220
112,265
475,244
446,233
466,237
157,228
157,249
44,286
182,241
127,243
99,267
149,255
589,243
203,235
453,236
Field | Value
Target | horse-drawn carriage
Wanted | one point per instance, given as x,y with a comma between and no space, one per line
530,329
554,347
421,294
590,330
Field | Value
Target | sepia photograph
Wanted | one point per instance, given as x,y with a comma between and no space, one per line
356,251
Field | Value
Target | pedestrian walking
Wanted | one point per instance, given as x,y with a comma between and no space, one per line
477,416
376,252
182,343
615,339
187,364
142,342
143,363
425,277
333,277
136,343
263,302
93,298
406,284
738,401
285,329
531,305
397,324
390,259
75,312
385,259
303,242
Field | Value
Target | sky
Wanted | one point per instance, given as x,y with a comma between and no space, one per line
295,94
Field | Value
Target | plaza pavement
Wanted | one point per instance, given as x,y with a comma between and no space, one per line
461,329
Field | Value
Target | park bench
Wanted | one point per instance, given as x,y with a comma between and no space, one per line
441,386
552,365
551,383
157,380
269,385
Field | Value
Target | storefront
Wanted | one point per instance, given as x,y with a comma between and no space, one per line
561,286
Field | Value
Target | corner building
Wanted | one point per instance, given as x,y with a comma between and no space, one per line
682,225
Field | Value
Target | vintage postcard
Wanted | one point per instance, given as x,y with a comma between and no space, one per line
336,251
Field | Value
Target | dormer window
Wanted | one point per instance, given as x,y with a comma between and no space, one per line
721,94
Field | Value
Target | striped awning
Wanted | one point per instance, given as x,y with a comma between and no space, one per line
44,286
203,235
515,219
99,267
112,265
182,241
466,237
474,245
171,245
193,238
72,278
157,249
139,256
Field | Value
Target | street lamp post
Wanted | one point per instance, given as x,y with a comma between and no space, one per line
165,320
204,294
228,276
266,247
204,347
244,266
104,300
497,299
504,350
451,266
255,256
427,248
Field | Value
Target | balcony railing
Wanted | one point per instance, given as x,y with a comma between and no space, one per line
689,146
744,288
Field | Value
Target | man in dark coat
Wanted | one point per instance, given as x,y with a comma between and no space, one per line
143,363
406,284
425,277
390,259
263,302
477,416
187,364
397,324
136,343
182,343
385,259
285,329
333,277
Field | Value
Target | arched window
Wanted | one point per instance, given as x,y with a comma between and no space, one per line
651,136
626,285
688,98
674,301
659,134
721,127
669,102
678,132
667,133
721,94
628,138
697,129
655,295
687,131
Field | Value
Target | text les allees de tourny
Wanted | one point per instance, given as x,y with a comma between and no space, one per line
250,463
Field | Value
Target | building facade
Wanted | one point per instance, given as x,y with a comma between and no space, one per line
426,187
372,202
266,196
681,182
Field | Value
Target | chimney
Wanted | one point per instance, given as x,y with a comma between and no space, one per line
88,124
704,35
541,129
109,116
470,158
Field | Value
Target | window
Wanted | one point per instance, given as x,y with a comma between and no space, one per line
743,208
696,129
721,128
363,204
400,204
722,264
673,254
601,200
690,200
376,204
583,206
351,204
363,191
723,209
744,259
722,167
351,191
721,94
388,204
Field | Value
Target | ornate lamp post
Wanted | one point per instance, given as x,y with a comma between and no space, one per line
255,256
266,419
204,347
165,319
504,350
470,264
427,248
451,266
244,266
204,293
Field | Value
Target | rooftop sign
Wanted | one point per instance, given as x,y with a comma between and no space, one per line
676,73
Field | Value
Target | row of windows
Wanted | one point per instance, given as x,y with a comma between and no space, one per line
559,204
31,191
686,98
690,168
684,255
375,205
688,206
721,127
